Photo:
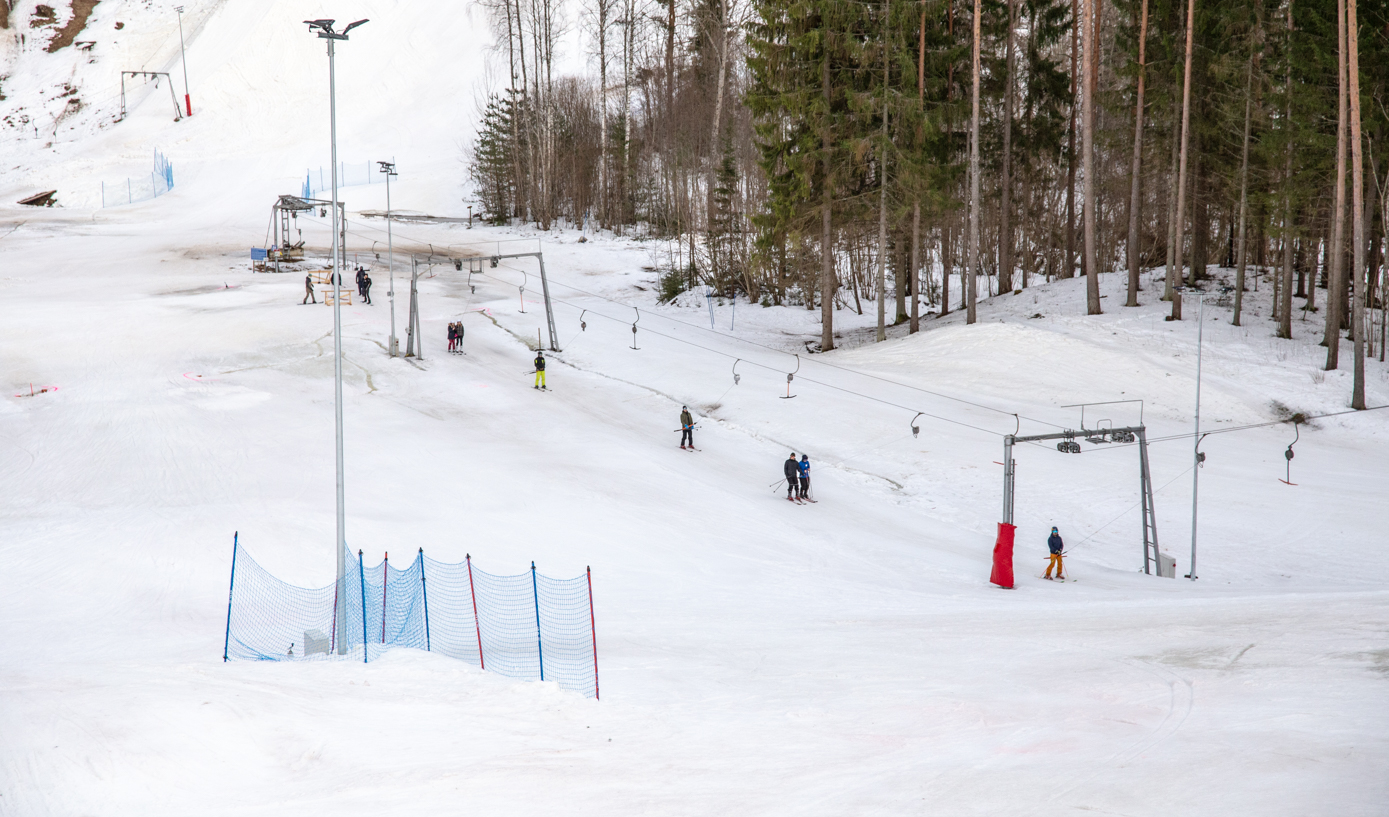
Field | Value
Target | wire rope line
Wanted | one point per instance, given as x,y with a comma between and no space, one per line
738,339
1299,419
1127,510
746,341
778,371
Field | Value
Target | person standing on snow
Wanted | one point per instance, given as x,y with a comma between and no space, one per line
803,471
361,273
1055,545
540,370
366,288
686,427
792,471
308,290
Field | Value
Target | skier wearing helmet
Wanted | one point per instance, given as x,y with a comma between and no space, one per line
1055,545
686,427
540,370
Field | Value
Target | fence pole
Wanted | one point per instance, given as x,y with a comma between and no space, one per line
385,576
362,578
593,631
539,642
226,641
425,591
476,622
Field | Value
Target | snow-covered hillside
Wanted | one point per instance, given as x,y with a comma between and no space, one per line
757,656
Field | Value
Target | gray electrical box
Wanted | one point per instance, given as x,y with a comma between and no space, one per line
316,642
1166,566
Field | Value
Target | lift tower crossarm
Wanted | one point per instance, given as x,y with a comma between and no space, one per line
544,287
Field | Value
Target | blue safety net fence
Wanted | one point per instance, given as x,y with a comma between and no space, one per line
349,175
140,188
524,626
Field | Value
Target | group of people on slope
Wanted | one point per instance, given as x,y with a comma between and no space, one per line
363,286
456,336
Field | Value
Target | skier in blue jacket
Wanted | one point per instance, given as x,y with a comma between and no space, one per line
803,468
1055,545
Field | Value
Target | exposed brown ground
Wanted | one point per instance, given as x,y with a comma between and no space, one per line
81,10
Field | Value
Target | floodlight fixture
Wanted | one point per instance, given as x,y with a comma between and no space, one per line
324,29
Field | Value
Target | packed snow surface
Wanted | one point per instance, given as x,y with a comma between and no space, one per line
757,656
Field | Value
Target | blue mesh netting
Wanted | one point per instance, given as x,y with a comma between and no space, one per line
523,626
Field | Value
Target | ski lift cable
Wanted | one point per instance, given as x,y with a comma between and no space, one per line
778,371
727,336
1127,510
1205,433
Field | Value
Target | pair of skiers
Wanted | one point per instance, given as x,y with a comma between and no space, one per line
797,478
456,336
364,285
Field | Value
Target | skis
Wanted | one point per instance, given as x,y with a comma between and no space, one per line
690,448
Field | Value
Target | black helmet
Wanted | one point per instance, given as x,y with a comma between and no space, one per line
805,456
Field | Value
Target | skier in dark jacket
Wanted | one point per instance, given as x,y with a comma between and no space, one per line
686,427
361,274
803,471
1055,545
366,289
792,471
540,370
308,290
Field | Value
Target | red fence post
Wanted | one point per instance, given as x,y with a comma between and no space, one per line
476,624
593,630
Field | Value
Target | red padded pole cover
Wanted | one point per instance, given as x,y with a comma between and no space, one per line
1003,556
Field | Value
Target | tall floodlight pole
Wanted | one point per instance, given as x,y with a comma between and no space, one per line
1196,455
389,169
187,100
324,30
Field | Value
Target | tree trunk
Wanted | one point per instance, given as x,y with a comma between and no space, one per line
973,248
1285,289
1172,218
714,151
1186,135
1357,179
827,279
1092,266
1068,267
945,259
916,205
1005,205
1135,199
604,216
1332,334
882,197
1243,187
914,274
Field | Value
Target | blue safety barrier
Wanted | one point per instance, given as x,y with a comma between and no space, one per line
523,626
140,188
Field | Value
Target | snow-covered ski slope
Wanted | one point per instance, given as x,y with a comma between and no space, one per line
758,657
